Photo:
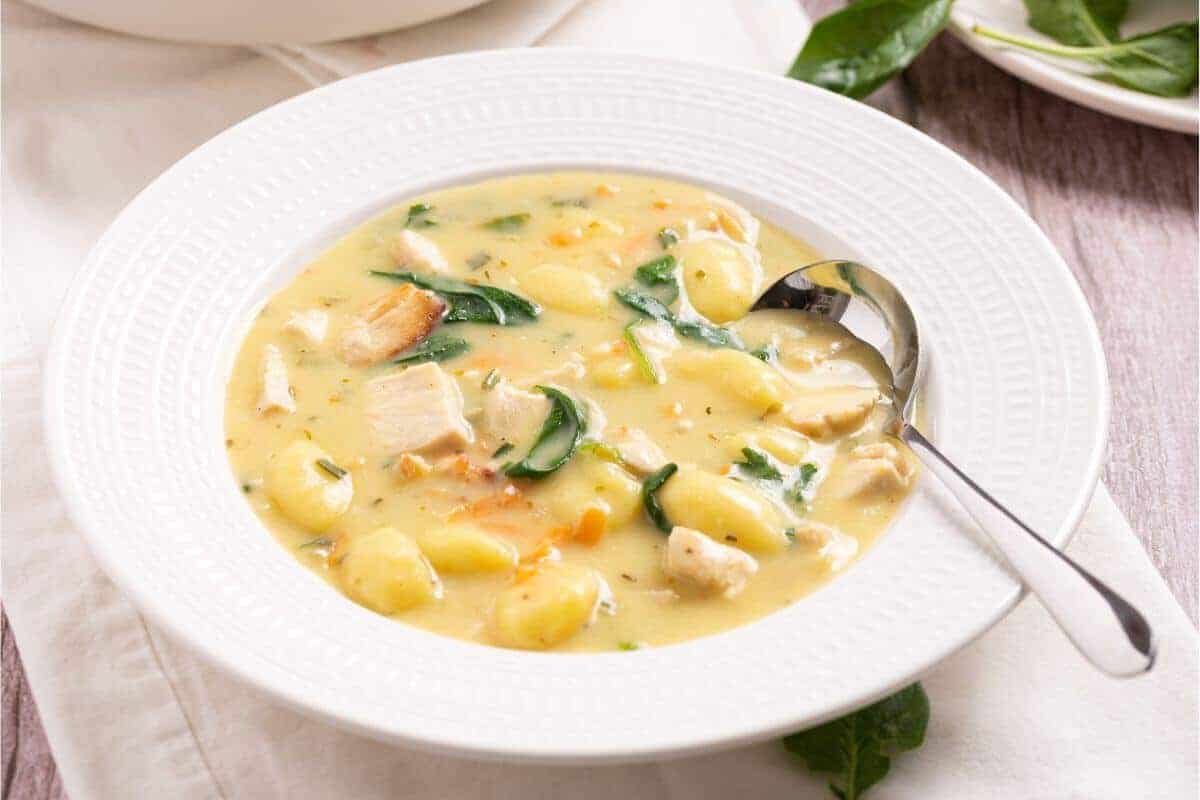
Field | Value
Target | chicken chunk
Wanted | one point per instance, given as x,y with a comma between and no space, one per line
694,558
276,392
415,252
514,415
390,324
834,547
419,409
309,325
878,469
831,412
638,451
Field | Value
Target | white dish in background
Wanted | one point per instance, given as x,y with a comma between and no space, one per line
1067,78
256,21
1018,395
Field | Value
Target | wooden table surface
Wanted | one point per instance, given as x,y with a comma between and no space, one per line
1117,199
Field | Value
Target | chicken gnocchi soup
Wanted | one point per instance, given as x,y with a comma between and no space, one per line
534,412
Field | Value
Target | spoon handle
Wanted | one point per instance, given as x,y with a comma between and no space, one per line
1111,633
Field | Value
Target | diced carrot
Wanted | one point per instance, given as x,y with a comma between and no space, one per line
507,496
593,522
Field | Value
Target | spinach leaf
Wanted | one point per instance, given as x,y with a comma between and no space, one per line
472,302
436,347
667,237
1162,62
509,224
649,372
645,304
856,50
1078,22
418,216
502,449
319,543
659,271
700,330
857,749
650,489
757,465
557,441
603,451
576,202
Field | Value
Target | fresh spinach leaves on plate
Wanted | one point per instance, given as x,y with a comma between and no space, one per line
857,749
856,50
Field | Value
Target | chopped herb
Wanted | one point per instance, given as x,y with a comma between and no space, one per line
790,533
320,541
471,302
437,347
557,441
332,468
577,202
667,238
502,449
247,488
479,260
510,224
757,465
491,379
649,371
330,300
802,489
768,353
377,501
857,749
418,216
628,646
650,488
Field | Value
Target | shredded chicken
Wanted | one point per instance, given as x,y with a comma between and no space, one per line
309,325
696,559
638,451
276,392
833,412
415,252
875,469
836,548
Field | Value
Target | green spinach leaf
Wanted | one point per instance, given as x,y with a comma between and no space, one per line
1162,62
697,329
472,302
801,490
657,272
856,50
857,749
557,441
510,224
435,347
650,489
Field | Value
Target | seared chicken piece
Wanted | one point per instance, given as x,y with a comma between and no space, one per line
276,392
414,252
835,547
694,558
390,324
638,451
831,412
420,408
874,470
309,325
514,415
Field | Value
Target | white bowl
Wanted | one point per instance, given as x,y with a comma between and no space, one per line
254,21
135,385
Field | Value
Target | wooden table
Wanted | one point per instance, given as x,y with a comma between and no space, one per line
1119,202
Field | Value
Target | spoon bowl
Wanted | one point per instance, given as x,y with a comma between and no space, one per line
1110,632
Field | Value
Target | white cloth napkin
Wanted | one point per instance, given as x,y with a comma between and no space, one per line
91,117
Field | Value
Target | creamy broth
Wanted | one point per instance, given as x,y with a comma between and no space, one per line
388,446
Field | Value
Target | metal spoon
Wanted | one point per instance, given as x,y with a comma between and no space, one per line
1110,632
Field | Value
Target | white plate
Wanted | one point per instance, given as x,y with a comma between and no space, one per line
1069,79
135,385
255,21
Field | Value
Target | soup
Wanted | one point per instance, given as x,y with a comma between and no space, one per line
534,412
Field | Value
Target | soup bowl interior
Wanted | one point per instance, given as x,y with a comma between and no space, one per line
1016,394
